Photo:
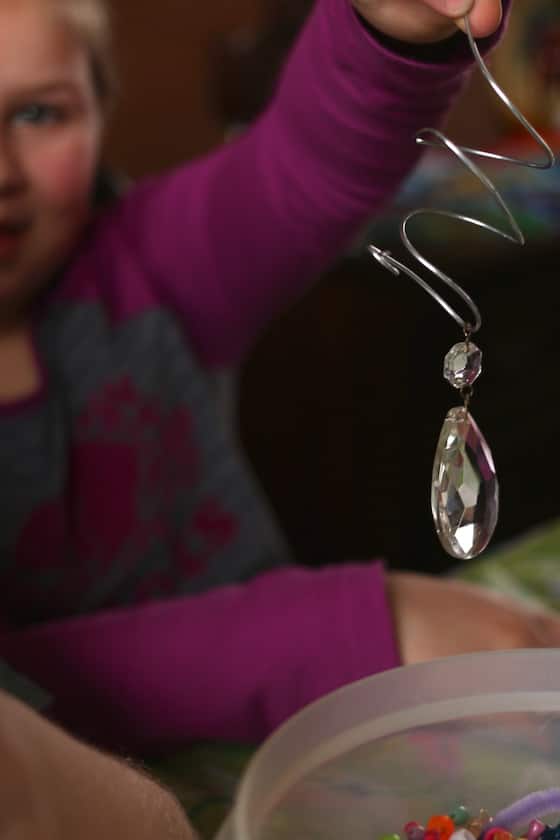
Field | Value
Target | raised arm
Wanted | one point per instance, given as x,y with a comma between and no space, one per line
233,238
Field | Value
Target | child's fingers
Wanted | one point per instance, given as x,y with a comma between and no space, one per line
484,18
484,15
451,8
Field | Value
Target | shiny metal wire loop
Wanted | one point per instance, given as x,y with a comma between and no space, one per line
513,233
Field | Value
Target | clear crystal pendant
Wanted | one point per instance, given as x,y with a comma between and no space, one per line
465,491
465,496
464,487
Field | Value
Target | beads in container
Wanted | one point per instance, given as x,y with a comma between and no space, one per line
523,820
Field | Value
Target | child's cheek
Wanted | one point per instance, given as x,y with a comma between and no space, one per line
64,171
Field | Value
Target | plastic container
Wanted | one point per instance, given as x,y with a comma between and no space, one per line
480,730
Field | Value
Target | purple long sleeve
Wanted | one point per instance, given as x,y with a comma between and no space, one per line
235,237
232,663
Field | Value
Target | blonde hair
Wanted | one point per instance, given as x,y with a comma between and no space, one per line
91,20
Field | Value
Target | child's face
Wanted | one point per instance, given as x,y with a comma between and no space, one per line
50,130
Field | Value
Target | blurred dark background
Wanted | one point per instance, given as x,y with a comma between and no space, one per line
342,400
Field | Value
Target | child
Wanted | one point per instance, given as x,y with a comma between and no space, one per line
120,483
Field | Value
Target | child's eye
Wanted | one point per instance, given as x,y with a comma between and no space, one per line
37,114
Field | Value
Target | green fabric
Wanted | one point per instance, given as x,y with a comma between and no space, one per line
528,568
204,778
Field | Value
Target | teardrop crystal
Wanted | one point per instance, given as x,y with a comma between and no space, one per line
464,487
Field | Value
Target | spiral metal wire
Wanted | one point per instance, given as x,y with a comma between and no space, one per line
513,233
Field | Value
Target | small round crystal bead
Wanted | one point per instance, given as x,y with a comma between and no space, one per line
462,365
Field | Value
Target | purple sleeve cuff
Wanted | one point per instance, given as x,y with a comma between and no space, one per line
454,53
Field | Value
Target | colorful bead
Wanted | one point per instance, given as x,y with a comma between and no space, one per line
460,815
536,828
459,825
498,833
414,831
462,834
443,824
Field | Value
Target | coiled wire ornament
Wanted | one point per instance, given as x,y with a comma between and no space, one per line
464,493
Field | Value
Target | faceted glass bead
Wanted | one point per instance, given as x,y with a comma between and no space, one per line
464,487
536,828
463,364
460,815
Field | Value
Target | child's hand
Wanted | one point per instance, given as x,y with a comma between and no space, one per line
424,21
435,617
